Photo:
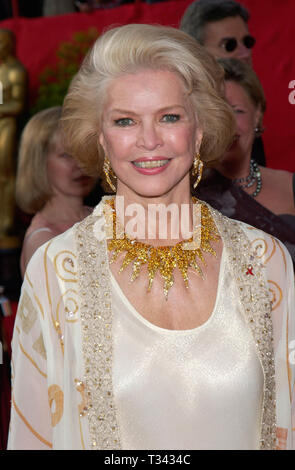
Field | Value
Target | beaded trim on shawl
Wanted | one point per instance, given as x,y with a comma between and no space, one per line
96,319
255,300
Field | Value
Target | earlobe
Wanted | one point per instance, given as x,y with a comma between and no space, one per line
258,120
199,140
101,141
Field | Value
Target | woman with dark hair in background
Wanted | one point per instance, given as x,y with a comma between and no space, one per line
240,188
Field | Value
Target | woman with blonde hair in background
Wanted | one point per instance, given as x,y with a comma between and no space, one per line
49,183
140,337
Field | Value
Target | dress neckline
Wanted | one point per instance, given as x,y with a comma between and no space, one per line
168,331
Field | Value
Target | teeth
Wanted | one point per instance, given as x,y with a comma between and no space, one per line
151,164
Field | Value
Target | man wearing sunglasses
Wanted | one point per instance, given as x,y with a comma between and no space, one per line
221,26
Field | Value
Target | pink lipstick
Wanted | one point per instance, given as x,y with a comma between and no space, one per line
151,166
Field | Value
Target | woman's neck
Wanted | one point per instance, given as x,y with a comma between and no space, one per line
163,220
59,210
234,169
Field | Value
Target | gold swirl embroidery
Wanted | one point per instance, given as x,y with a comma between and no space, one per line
261,249
272,252
70,308
83,406
276,294
55,322
66,264
56,396
259,246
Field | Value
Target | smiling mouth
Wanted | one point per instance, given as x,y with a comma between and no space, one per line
151,163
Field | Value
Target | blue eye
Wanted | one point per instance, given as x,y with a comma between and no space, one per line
124,122
171,118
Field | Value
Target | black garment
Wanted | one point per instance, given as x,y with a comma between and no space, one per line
235,203
5,9
30,8
290,219
258,151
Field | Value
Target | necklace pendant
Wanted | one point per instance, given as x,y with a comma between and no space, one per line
165,259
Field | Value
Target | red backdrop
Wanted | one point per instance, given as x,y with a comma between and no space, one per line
271,23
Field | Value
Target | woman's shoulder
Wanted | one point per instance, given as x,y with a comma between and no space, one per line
263,245
62,243
270,253
37,222
255,234
232,226
276,174
280,180
277,192
65,241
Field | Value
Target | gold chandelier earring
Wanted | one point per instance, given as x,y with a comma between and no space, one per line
107,169
197,170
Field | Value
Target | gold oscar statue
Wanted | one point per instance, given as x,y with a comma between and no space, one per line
13,88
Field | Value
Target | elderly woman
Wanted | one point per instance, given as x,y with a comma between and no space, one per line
49,183
132,335
260,196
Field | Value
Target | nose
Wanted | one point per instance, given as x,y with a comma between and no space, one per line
244,54
73,165
149,136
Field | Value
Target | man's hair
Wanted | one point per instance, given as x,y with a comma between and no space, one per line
201,12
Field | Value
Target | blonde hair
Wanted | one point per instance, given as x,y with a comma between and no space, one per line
128,49
38,138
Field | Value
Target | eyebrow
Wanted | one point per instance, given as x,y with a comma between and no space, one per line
225,38
161,110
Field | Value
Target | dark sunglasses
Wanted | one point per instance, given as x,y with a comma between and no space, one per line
230,44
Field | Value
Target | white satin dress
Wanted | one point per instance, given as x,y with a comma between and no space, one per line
202,397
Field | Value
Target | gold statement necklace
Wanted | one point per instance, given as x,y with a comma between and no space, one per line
164,259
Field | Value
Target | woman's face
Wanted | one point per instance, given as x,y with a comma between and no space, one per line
149,132
247,118
64,175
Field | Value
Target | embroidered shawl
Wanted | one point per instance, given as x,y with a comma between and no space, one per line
63,336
